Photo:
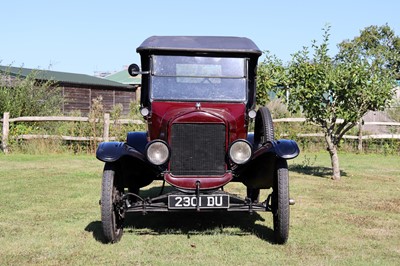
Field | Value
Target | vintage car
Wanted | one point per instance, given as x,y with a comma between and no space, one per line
198,97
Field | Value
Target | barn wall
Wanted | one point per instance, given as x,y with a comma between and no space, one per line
80,98
106,95
76,99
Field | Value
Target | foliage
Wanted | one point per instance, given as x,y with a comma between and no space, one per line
96,121
394,110
375,42
93,129
278,109
326,89
26,96
271,74
344,87
370,146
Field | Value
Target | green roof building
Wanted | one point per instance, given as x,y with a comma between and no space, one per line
79,90
124,78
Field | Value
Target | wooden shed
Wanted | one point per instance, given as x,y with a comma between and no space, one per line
79,90
124,78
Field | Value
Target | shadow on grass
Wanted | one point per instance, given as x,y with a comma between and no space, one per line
323,172
95,228
189,223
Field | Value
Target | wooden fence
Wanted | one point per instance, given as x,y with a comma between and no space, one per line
106,128
107,121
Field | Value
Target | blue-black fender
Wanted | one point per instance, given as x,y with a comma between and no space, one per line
133,167
137,140
284,148
112,151
259,172
134,147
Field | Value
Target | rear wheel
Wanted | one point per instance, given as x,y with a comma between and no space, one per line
280,202
112,207
263,133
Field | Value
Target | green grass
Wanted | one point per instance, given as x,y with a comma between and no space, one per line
49,215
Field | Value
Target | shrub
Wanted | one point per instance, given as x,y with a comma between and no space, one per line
26,96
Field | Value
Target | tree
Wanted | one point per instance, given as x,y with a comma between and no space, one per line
335,92
271,73
376,42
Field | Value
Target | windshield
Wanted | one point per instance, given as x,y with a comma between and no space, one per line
198,78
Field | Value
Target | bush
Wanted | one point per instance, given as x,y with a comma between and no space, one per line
26,96
93,129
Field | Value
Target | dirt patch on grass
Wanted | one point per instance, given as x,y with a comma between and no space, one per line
361,220
371,227
390,205
378,233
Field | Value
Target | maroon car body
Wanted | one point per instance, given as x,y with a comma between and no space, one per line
198,98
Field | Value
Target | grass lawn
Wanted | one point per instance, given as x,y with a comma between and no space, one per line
49,215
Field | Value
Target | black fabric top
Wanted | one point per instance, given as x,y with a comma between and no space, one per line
216,44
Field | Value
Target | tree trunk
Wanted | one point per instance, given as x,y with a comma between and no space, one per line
335,163
332,149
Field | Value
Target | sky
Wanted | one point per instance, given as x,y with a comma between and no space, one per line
88,36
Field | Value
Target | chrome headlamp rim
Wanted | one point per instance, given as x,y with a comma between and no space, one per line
232,147
145,111
252,113
163,150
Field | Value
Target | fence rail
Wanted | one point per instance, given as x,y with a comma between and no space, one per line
106,129
65,119
378,136
107,121
339,121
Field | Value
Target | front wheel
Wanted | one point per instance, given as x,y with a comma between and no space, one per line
112,208
263,133
280,202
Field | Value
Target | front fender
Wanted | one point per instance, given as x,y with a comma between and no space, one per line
259,172
113,151
286,148
137,140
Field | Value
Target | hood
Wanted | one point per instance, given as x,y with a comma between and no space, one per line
164,114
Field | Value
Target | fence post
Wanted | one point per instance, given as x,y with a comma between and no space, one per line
6,129
106,130
360,140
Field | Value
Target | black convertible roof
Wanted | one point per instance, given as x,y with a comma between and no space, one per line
216,44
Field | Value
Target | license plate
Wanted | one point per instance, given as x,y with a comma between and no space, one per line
206,202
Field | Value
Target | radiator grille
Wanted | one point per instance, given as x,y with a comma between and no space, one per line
198,149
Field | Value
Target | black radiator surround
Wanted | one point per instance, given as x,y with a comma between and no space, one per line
198,149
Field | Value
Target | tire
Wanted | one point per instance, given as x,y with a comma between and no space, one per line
280,202
263,127
263,132
112,208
